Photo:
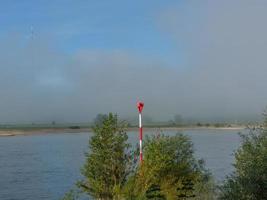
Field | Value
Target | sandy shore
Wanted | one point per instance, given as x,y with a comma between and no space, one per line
6,133
41,131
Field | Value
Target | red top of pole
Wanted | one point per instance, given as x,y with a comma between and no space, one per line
140,106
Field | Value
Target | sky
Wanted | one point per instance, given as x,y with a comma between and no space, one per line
67,61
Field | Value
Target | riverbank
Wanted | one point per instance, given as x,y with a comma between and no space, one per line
18,132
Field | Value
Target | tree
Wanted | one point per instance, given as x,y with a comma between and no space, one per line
99,119
178,119
249,181
109,160
169,171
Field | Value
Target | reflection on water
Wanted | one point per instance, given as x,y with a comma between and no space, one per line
46,166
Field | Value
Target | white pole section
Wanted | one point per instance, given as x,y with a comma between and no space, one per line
140,106
140,136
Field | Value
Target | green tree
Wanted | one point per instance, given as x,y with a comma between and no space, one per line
108,161
99,119
71,195
169,171
249,181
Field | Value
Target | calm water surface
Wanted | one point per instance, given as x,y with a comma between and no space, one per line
46,166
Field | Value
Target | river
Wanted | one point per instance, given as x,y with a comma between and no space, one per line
45,166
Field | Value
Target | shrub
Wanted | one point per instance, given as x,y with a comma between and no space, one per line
249,181
169,171
108,161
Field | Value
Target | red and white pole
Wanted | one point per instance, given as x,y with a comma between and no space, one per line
140,106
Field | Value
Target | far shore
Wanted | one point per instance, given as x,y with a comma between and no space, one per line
41,131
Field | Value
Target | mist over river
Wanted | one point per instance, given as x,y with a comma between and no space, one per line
45,166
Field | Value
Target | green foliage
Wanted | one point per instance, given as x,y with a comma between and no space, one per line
169,171
108,162
99,119
249,182
71,195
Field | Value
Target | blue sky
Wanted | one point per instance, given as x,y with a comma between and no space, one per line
105,25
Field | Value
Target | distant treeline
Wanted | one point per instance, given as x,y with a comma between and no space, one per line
177,121
130,125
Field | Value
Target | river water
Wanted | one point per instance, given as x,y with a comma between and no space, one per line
46,166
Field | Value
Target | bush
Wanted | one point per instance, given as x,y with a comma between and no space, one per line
71,195
169,171
108,161
249,181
